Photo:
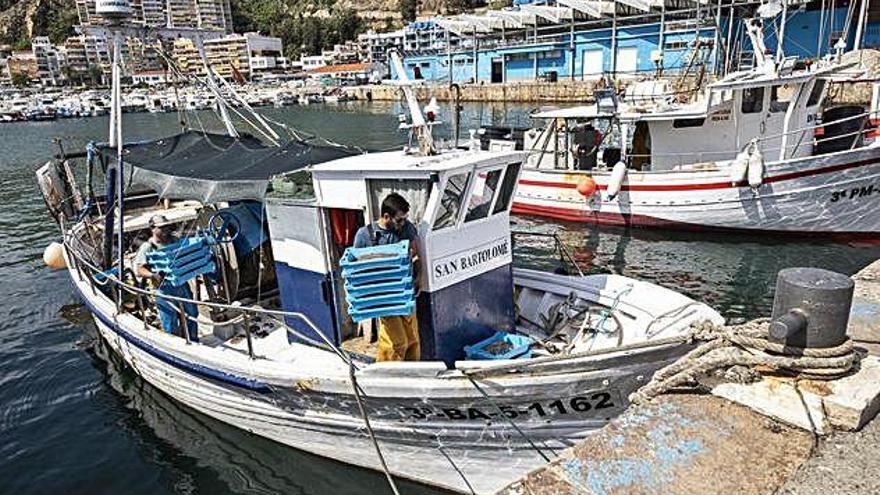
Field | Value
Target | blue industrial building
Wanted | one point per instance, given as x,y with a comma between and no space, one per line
627,45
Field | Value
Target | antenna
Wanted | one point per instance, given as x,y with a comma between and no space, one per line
419,126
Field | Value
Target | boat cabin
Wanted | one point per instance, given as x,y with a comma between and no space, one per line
459,202
779,114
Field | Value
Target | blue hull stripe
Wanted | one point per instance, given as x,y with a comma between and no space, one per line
194,368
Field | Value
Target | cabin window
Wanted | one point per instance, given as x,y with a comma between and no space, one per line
780,97
297,185
683,123
450,203
485,185
752,100
816,93
414,191
507,187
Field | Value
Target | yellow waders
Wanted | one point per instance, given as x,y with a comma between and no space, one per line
398,338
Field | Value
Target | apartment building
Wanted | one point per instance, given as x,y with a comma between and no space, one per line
249,54
48,63
187,57
209,15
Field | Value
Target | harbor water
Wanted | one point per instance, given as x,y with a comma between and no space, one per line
74,420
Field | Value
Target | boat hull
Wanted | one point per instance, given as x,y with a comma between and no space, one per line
434,430
837,193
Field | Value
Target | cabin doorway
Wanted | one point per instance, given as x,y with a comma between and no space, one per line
497,71
342,225
593,64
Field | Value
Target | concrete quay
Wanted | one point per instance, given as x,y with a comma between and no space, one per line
518,92
825,442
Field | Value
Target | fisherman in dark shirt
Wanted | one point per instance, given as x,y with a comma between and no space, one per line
398,335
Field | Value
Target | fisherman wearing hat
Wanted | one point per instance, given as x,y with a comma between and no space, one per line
162,235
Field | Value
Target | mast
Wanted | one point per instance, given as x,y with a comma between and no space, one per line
419,126
116,12
860,28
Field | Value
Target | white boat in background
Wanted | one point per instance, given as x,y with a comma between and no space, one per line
756,153
277,352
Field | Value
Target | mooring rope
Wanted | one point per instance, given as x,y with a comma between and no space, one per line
746,346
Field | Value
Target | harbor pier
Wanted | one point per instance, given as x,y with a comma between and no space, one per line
810,436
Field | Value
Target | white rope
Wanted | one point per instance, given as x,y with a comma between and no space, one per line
745,346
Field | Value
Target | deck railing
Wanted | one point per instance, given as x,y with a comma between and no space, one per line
97,278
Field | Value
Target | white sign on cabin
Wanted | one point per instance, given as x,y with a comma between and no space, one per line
470,262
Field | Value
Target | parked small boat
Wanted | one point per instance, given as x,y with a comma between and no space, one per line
756,153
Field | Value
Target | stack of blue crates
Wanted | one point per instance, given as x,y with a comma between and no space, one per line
183,260
378,281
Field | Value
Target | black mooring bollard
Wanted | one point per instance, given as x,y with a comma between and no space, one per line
811,308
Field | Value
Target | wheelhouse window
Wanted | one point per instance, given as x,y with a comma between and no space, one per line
415,191
508,185
684,123
297,185
780,97
816,93
450,202
485,185
752,100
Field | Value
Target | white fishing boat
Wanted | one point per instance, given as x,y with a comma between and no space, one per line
274,350
757,152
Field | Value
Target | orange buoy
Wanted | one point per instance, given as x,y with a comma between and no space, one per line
587,186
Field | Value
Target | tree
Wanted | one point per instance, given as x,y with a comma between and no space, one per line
20,80
408,9
96,74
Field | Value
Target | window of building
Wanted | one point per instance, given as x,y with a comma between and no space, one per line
752,100
780,97
485,185
508,185
450,203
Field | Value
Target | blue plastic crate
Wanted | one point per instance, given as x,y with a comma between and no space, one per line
397,310
375,277
165,263
357,290
179,278
352,261
367,301
521,347
183,260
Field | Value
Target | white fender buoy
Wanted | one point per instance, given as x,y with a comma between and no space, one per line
756,168
53,256
618,173
739,168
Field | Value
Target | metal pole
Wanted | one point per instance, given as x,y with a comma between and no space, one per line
780,43
662,41
571,46
183,325
717,40
247,333
614,44
449,54
120,173
476,74
860,29
728,53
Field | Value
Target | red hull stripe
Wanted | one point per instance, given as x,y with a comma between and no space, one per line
707,185
630,220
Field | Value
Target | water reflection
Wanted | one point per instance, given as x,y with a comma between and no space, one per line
207,455
736,274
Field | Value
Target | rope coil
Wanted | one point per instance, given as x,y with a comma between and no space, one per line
746,346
